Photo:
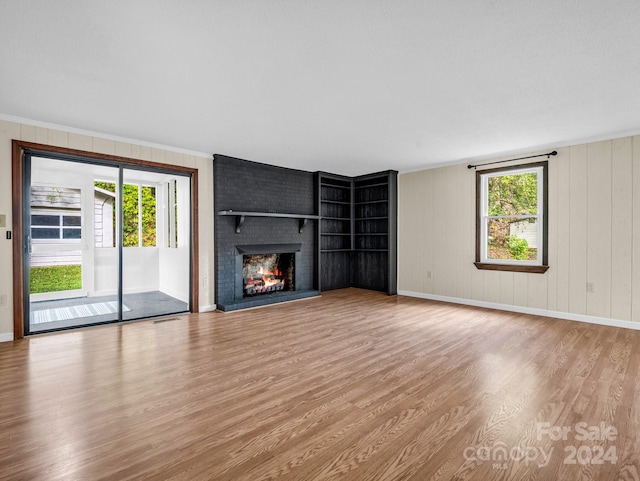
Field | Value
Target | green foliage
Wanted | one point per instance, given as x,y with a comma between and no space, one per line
518,247
515,194
130,234
130,214
148,216
108,186
510,195
55,278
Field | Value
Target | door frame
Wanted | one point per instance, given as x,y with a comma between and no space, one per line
18,176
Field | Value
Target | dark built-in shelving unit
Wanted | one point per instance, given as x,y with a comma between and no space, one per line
357,235
336,231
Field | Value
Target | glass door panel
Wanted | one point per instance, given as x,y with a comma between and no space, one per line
156,214
73,261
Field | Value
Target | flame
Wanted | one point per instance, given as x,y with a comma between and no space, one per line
275,272
270,282
270,278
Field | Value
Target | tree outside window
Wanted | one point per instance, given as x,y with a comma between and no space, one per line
511,227
138,213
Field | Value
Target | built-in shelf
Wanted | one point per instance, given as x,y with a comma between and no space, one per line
350,208
241,216
378,184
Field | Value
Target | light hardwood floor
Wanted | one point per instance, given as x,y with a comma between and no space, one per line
353,385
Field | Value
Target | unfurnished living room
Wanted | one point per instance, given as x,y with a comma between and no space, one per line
305,240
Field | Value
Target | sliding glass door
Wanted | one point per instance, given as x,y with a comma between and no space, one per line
105,243
70,284
155,253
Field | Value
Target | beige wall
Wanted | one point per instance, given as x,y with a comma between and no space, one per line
29,133
594,236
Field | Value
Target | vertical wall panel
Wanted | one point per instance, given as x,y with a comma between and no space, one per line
454,230
578,230
537,291
521,289
492,286
562,211
599,228
507,287
440,241
27,133
80,142
175,158
58,138
135,151
104,146
635,281
42,135
621,227
145,153
158,155
412,224
427,231
405,189
424,220
8,132
122,149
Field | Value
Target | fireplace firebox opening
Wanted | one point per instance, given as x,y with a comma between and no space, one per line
267,273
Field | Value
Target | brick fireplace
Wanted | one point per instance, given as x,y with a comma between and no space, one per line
281,236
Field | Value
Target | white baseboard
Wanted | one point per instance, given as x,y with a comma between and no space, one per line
605,321
6,337
208,308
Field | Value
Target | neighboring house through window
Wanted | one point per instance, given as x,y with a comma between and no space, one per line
511,218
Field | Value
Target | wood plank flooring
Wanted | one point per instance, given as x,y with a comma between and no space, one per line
353,385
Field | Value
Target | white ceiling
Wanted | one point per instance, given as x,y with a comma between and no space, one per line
349,86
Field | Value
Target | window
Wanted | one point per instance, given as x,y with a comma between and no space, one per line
138,215
511,218
172,214
56,227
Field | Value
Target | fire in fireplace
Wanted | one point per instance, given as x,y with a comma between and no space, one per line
267,273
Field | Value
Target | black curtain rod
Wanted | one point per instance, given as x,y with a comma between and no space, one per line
471,166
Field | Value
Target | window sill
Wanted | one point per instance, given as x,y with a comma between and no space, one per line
511,268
